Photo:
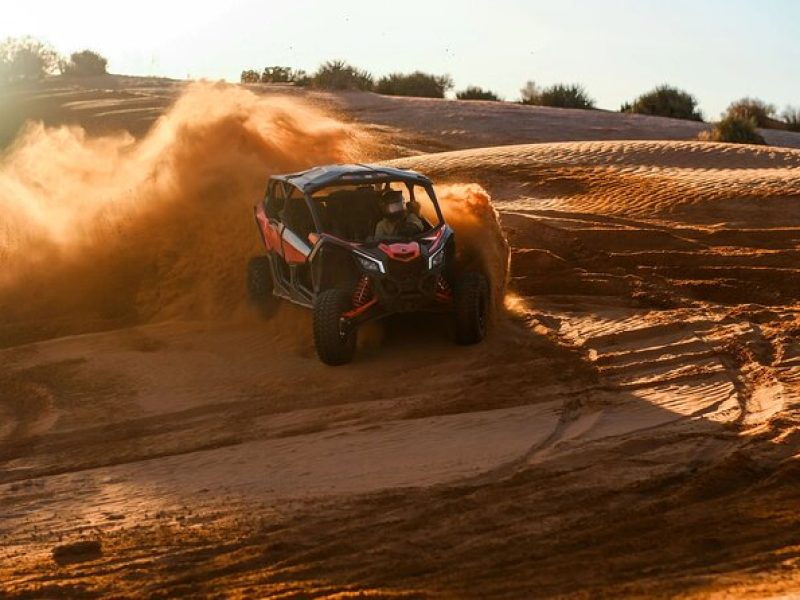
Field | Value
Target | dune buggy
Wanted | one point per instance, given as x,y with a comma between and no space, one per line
322,252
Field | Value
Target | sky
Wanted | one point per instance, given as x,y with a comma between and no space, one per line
718,50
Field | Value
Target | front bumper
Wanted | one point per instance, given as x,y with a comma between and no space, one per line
405,287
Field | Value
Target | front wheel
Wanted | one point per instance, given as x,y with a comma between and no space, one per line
471,305
335,345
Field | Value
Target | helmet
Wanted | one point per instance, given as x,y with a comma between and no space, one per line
392,204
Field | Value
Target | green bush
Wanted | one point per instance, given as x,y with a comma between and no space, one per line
560,95
338,75
665,101
791,118
473,92
752,108
734,130
418,84
530,93
250,76
85,63
566,96
26,59
275,75
283,75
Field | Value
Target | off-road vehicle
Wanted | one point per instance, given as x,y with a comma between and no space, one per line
319,231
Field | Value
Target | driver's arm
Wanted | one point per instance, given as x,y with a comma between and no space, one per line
415,222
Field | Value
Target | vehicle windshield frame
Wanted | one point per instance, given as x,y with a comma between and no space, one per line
312,198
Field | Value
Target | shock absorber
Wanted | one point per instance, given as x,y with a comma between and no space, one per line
363,293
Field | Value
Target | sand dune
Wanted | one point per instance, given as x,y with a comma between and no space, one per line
406,125
629,428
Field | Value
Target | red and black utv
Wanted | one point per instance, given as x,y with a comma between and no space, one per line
331,247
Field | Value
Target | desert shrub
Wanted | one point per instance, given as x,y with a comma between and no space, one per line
791,118
473,92
26,59
250,76
566,96
752,108
423,85
665,101
85,63
560,95
275,75
338,75
734,130
283,75
530,93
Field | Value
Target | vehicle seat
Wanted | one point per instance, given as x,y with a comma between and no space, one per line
351,214
332,214
364,214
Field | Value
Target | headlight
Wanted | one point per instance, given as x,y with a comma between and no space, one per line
436,259
373,265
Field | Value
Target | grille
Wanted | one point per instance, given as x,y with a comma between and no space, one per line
406,274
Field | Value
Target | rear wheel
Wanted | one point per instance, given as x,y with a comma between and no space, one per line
259,283
335,345
471,304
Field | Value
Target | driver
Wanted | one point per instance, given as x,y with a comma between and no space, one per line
396,221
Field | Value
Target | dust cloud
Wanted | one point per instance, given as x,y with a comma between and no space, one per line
107,231
480,242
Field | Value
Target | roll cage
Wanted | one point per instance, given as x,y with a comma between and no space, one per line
305,184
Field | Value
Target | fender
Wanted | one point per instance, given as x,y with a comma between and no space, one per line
295,250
